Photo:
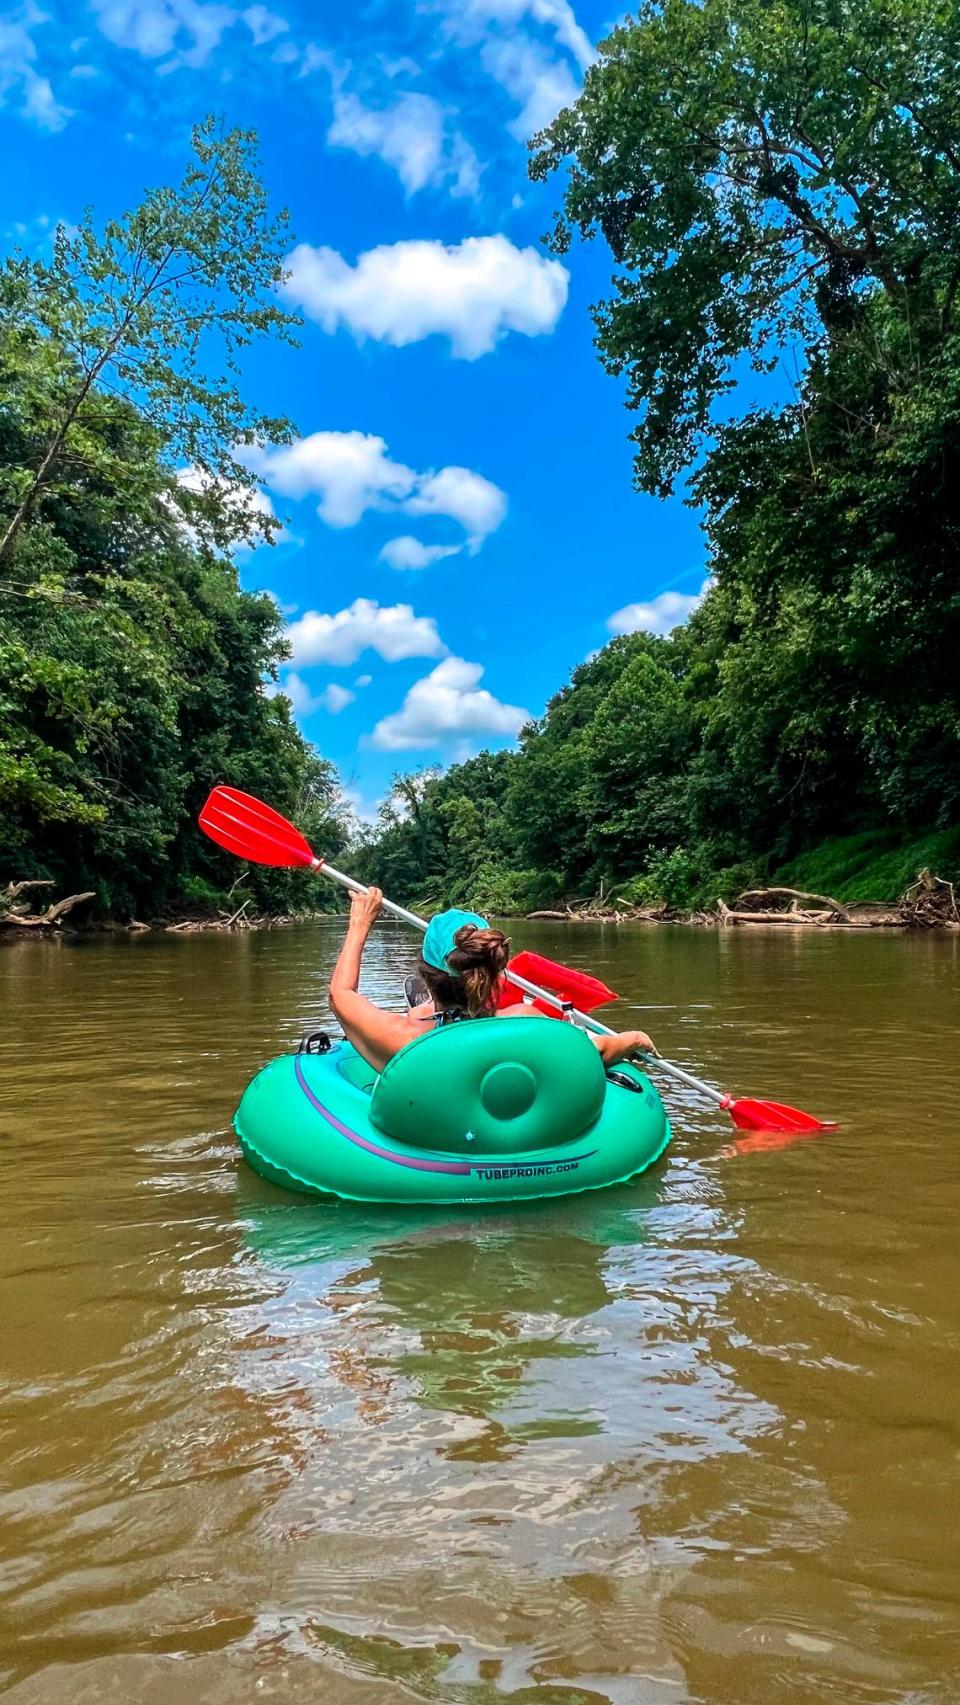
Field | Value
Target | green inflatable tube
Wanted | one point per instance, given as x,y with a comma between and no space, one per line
491,1110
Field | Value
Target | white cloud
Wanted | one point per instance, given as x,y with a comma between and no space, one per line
473,292
84,72
410,135
305,703
556,15
294,688
20,81
363,680
392,630
349,471
540,74
446,703
336,698
407,552
530,74
352,472
189,29
660,616
263,24
476,503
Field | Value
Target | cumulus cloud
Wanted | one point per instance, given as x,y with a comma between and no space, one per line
476,503
410,134
20,81
336,698
306,703
556,15
660,616
349,471
407,552
535,49
532,76
447,703
352,472
295,688
363,680
392,630
473,292
188,29
263,24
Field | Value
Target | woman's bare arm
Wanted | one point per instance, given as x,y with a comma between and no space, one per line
376,1035
613,1049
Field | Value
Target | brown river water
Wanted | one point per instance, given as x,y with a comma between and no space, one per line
695,1439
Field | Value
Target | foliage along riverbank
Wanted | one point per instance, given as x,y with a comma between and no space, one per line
132,665
772,183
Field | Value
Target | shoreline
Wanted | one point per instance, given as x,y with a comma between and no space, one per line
930,903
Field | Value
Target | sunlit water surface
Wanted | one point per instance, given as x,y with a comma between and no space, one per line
691,1440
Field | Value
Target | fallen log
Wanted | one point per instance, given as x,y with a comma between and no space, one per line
824,901
43,920
14,889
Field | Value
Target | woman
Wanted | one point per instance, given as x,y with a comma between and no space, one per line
461,966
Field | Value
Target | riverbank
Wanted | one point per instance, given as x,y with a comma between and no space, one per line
22,913
929,903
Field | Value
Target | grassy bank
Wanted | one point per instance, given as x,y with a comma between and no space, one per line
877,864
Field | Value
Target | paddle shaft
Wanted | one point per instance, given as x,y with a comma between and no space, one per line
583,1019
325,869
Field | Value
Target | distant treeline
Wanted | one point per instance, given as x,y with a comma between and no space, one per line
767,177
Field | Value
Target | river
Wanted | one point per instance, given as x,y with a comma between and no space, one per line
695,1439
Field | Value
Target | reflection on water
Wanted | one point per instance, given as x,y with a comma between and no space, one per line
693,1439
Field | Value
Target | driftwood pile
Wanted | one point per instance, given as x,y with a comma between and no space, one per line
791,906
929,903
608,908
18,913
238,920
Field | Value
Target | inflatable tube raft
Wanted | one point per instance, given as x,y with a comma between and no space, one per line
487,1111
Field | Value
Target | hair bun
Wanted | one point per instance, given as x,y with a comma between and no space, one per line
480,946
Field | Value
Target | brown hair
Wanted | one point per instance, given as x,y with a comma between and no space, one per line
475,964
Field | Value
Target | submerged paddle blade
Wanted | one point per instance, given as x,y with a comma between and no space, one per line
577,987
251,830
774,1116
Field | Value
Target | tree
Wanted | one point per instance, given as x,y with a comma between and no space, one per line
134,672
759,172
183,281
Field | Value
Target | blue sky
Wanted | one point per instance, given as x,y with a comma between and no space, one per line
461,524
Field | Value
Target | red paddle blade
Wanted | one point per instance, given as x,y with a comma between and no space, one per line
774,1116
578,987
247,827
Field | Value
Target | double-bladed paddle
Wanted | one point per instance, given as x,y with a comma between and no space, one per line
252,830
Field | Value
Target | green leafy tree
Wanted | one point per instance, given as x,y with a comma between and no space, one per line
134,672
160,307
758,170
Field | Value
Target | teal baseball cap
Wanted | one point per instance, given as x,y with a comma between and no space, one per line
439,940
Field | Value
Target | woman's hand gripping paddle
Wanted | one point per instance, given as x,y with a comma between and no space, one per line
246,827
